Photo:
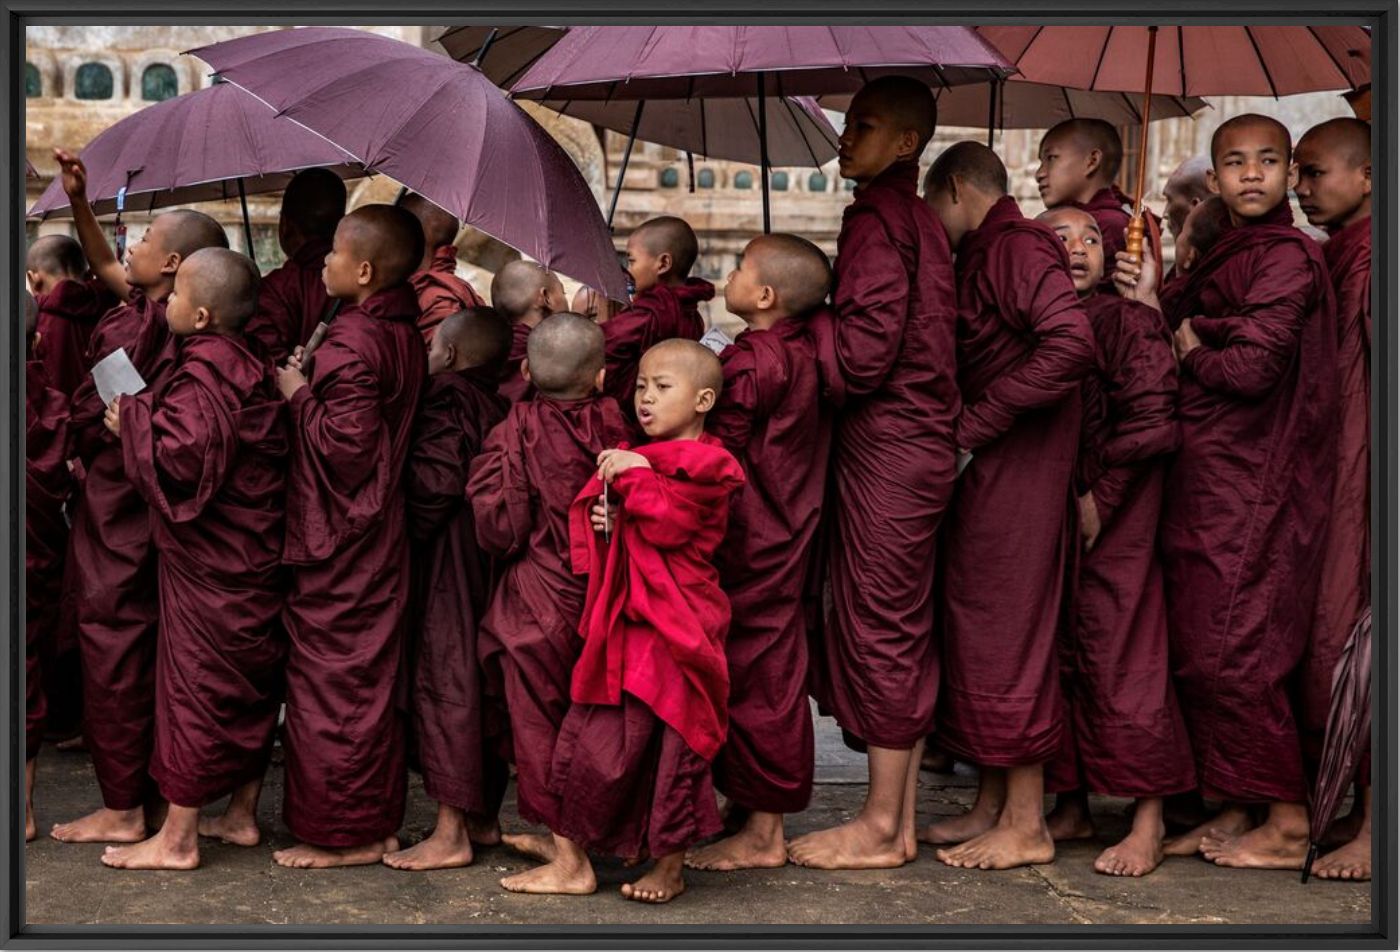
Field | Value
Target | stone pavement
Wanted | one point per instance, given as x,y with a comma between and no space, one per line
68,884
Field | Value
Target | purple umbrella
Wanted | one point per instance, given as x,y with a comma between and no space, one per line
503,53
439,127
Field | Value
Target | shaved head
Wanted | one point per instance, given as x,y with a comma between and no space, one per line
798,271
1065,214
57,255
691,359
564,354
972,162
1247,121
389,238
908,103
222,281
1189,178
314,202
1089,135
673,236
480,334
1205,224
185,231
440,226
516,288
1346,138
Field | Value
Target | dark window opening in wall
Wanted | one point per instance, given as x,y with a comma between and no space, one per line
705,178
816,182
33,84
743,180
158,83
93,81
670,178
780,181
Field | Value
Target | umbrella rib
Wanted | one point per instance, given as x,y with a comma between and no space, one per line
290,119
788,106
1103,52
1181,56
1335,62
1249,32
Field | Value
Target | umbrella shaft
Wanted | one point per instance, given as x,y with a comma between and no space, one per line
247,225
763,155
626,157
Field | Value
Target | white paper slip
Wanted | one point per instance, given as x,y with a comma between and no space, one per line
716,340
964,458
115,375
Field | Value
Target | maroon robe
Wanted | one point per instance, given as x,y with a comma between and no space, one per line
1244,517
659,313
111,571
514,387
1112,210
67,316
347,541
1024,346
1126,732
291,301
888,366
769,415
452,587
47,483
207,452
440,292
521,485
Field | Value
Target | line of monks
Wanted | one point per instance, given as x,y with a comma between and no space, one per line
989,484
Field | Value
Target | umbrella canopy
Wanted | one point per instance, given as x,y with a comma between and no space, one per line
439,127
512,49
29,170
195,148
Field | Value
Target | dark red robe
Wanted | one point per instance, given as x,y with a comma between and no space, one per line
1244,517
47,483
347,541
1125,733
67,316
770,416
207,452
653,629
888,366
440,292
111,572
514,386
452,588
291,302
1112,210
521,485
659,313
1024,346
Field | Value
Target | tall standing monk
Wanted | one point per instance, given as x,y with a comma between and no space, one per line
889,368
293,298
1244,518
524,293
69,307
348,547
111,560
1186,188
440,292
1334,189
1024,346
207,451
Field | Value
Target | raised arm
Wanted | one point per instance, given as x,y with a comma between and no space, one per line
101,258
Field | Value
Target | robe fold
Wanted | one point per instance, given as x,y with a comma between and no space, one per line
770,416
1245,512
67,316
1024,347
514,387
47,485
348,545
659,313
207,451
452,588
292,300
521,486
440,292
1112,209
888,366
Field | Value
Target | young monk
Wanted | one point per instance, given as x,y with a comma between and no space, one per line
440,292
521,486
293,298
1024,346
593,305
69,307
112,562
207,451
660,254
452,588
524,294
348,548
632,765
1125,736
1204,225
1186,188
1245,511
769,415
1334,189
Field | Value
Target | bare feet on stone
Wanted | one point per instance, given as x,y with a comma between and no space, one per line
662,883
1231,820
756,846
854,845
958,829
538,846
443,849
240,830
1136,855
71,743
103,826
306,856
1070,819
1351,862
155,853
483,832
1265,847
553,879
1002,847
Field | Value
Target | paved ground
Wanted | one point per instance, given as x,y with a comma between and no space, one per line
67,883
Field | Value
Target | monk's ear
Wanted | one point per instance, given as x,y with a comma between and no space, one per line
202,318
664,263
1093,162
909,144
1366,173
1212,182
1292,175
171,264
525,369
364,274
705,400
767,298
598,380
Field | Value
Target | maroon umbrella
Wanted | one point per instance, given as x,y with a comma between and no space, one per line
503,53
439,127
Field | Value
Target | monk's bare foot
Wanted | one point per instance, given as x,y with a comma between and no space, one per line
483,832
1070,820
103,826
1137,855
30,830
306,856
1233,821
748,849
570,873
958,829
632,862
854,845
1264,847
538,846
239,830
441,850
662,883
72,743
935,760
1352,861
154,853
1344,830
1002,847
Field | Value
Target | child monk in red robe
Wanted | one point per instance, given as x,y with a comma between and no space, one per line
1245,513
452,588
524,294
769,415
660,254
521,486
1125,736
1024,347
111,559
1334,189
348,547
207,452
889,371
69,307
293,298
440,292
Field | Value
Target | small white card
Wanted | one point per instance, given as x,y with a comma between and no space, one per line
716,340
964,458
115,375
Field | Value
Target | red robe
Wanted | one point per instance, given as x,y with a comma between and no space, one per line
888,367
1112,210
440,292
1126,734
521,485
1244,517
47,483
452,587
514,387
653,629
111,571
1024,346
347,541
207,452
291,302
659,313
67,316
769,415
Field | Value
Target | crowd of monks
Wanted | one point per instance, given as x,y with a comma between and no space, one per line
987,488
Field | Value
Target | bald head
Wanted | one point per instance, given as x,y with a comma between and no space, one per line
971,162
520,287
440,226
389,238
480,335
1089,135
314,203
1186,187
906,102
798,271
185,231
1248,122
1067,214
222,281
673,236
689,359
57,255
1202,229
564,354
1345,139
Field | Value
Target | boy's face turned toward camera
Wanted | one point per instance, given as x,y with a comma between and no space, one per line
1252,170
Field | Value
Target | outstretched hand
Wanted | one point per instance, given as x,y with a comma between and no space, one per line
73,173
